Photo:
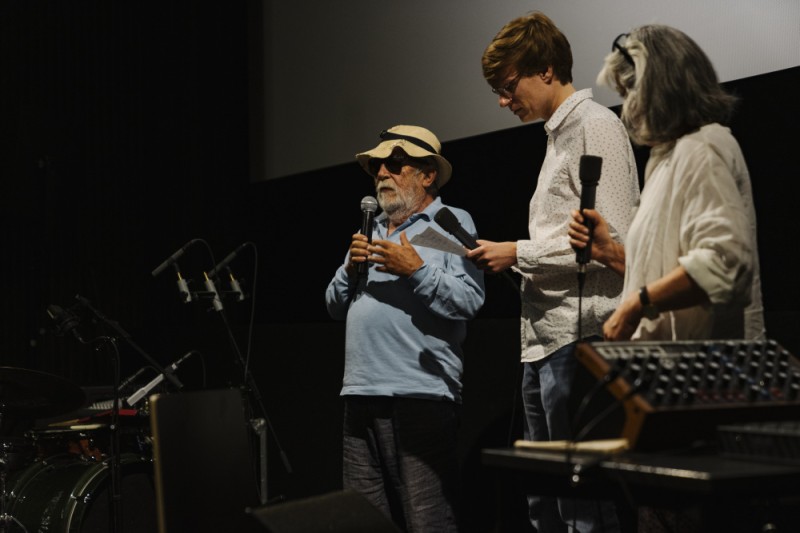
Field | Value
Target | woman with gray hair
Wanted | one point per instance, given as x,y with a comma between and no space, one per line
690,259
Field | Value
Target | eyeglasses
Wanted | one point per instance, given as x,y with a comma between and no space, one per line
622,49
393,164
507,91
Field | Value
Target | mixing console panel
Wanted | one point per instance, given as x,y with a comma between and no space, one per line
676,392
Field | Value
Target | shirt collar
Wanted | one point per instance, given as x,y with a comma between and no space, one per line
427,213
566,108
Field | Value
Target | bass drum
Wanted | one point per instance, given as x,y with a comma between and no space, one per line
69,494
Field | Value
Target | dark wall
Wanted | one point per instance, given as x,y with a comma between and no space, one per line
126,135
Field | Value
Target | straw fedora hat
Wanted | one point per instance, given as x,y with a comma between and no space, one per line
415,141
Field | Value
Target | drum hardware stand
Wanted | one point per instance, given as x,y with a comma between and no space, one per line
5,518
115,514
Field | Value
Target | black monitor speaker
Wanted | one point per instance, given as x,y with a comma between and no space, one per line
337,512
203,461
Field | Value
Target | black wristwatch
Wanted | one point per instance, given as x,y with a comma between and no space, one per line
649,310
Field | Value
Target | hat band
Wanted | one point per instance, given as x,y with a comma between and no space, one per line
388,136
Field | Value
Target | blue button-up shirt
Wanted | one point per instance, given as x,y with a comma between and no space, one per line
404,334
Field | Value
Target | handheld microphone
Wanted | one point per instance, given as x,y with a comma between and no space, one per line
589,175
446,219
368,207
174,257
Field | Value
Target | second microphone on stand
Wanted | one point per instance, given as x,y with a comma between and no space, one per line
236,288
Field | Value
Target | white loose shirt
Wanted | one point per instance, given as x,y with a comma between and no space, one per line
549,312
697,211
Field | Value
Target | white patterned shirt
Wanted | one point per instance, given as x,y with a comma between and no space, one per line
549,313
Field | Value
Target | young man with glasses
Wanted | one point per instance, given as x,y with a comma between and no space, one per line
529,66
406,321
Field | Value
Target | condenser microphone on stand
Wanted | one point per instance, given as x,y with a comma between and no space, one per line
66,321
225,262
174,257
183,287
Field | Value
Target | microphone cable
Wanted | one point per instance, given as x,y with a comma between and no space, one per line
612,374
636,387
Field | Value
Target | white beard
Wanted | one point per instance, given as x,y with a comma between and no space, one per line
402,204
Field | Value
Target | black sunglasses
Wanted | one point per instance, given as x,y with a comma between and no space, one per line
622,50
393,164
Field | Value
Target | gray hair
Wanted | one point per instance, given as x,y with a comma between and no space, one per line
671,88
427,165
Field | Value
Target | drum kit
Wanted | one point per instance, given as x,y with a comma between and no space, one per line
54,473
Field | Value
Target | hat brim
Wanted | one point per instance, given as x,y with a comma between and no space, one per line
385,149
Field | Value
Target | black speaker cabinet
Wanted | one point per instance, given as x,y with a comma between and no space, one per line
336,512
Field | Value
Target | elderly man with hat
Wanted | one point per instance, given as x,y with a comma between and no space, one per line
406,321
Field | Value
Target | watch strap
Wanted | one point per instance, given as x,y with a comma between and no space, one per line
649,310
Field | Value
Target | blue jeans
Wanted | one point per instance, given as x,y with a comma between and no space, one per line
546,389
400,454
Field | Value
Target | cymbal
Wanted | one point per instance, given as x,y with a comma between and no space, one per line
35,394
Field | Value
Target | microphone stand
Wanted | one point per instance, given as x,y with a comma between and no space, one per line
115,468
113,324
115,516
249,385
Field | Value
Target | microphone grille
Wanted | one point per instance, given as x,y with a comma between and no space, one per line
369,204
446,219
590,169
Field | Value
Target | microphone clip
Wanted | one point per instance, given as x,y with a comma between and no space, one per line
183,286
